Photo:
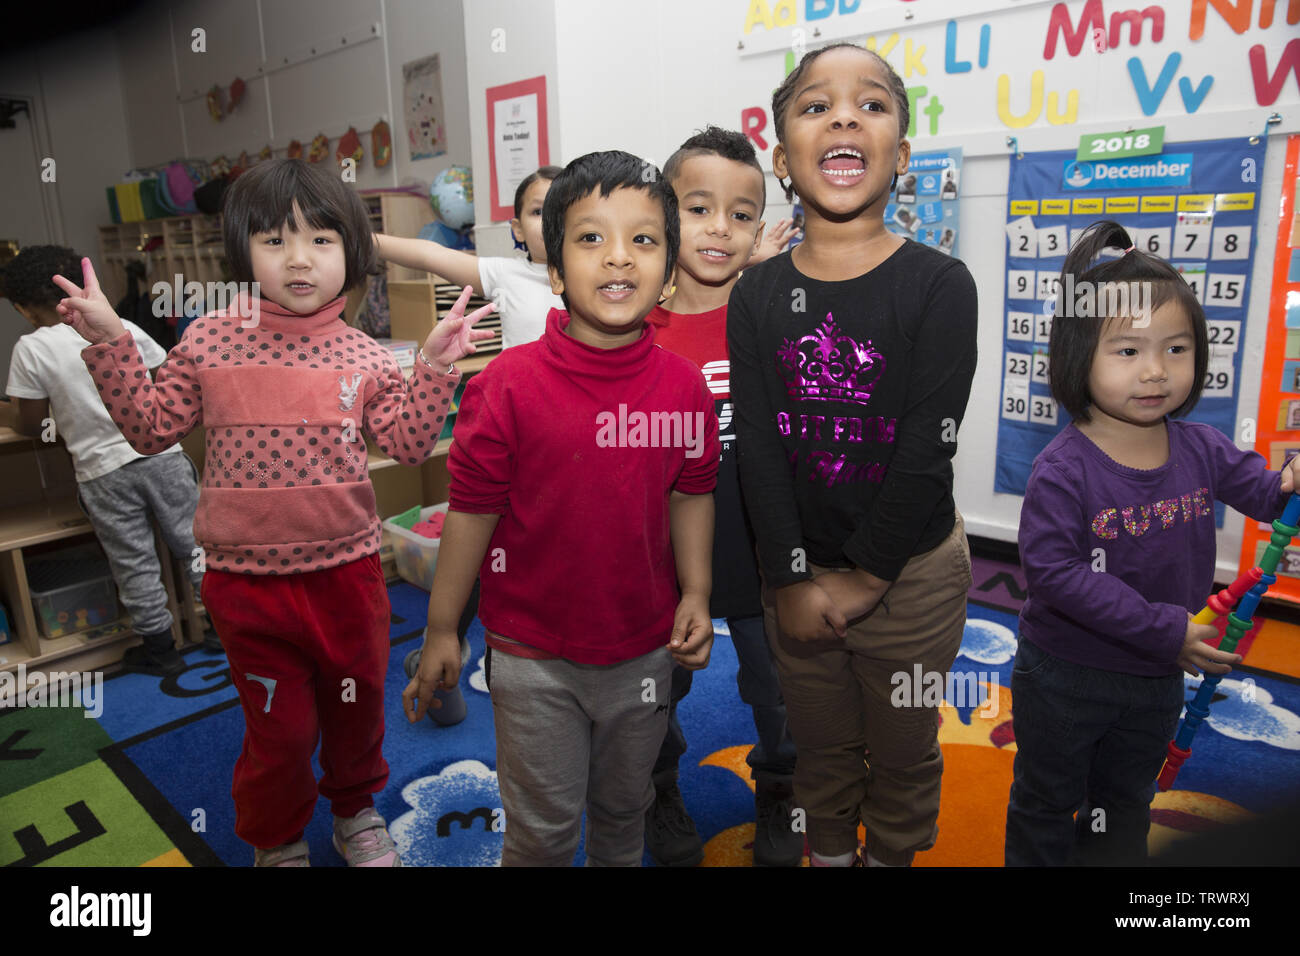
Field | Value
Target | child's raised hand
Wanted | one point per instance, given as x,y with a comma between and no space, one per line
1197,656
692,637
86,309
773,241
454,336
439,670
805,612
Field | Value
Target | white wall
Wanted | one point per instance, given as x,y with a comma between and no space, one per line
531,49
345,84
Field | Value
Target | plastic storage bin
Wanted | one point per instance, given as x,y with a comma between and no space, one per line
71,592
415,554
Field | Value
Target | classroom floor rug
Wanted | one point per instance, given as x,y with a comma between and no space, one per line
146,782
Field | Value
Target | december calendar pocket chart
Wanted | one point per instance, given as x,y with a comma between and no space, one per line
1194,204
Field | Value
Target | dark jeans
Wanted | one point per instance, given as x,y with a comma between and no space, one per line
771,761
1088,741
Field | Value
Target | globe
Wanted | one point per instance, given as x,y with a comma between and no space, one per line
452,196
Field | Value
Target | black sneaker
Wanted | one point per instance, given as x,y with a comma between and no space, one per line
670,834
140,660
776,843
212,643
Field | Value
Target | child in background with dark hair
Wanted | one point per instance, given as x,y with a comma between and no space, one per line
720,195
851,366
520,288
1096,681
119,489
588,516
286,516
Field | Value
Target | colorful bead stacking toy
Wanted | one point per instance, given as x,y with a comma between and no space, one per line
1253,584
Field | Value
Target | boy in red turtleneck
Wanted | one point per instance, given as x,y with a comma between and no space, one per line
286,513
581,480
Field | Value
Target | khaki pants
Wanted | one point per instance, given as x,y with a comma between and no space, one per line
859,756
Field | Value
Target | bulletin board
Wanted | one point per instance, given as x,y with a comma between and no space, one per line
1195,204
1278,432
925,205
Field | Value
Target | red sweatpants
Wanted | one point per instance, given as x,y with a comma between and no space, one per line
308,654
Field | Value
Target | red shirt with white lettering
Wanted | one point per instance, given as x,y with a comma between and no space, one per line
702,338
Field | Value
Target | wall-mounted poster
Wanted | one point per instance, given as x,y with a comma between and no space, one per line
517,141
422,99
925,200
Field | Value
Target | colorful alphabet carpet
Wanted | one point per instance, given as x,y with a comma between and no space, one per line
147,783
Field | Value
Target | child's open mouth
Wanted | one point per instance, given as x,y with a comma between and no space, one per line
717,255
301,288
843,166
616,291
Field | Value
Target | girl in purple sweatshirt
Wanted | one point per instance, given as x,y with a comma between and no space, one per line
1117,542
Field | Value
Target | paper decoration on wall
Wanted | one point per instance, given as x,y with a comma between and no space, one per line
925,206
319,149
349,147
214,103
236,94
381,144
423,104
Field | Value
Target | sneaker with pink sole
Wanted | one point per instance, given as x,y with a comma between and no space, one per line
363,840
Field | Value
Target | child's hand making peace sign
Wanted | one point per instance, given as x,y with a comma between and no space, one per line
86,309
454,336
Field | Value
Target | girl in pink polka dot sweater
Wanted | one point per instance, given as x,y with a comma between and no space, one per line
286,517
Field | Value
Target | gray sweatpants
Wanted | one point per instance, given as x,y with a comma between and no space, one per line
574,736
120,506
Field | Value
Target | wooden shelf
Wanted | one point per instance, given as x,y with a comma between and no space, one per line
476,363
60,647
377,460
45,511
8,436
26,525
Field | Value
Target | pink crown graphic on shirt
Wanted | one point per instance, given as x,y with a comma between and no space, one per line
828,366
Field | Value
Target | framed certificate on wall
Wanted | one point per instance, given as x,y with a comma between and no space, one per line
517,139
